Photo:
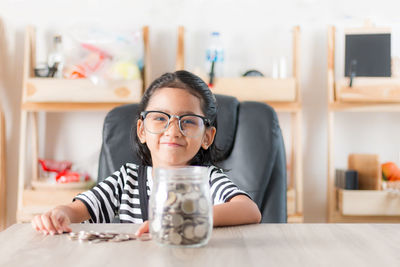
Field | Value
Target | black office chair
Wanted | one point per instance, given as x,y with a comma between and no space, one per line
252,150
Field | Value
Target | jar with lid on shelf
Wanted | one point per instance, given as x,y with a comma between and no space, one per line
215,56
180,211
56,59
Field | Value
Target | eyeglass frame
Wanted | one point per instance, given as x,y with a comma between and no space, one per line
206,121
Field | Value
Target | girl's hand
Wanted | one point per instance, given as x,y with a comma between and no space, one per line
55,221
144,228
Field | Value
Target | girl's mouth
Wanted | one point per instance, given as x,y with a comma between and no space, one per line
171,144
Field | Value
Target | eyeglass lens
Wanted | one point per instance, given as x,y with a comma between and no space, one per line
157,122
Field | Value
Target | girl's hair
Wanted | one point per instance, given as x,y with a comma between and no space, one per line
195,86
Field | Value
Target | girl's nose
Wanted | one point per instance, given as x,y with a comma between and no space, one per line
173,128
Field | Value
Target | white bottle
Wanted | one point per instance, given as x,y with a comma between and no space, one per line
282,68
215,53
56,56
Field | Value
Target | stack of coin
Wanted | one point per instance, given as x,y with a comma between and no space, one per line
185,218
98,237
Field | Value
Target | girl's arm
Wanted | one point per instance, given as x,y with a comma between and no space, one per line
238,210
58,219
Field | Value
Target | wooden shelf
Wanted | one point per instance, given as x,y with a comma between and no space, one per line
36,202
281,94
364,107
368,203
39,90
381,90
68,107
40,185
62,95
257,88
366,95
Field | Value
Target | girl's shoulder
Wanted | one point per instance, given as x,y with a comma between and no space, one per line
214,170
130,168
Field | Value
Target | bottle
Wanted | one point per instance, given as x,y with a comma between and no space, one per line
180,209
56,58
214,57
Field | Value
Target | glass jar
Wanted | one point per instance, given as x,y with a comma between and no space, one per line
180,207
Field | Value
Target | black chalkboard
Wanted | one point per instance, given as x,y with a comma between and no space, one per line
367,55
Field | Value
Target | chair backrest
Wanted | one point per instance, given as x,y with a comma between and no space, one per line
252,147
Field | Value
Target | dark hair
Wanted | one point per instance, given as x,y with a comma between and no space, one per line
195,86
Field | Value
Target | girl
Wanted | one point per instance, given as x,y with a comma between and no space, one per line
176,126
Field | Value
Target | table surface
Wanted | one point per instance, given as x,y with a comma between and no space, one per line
250,245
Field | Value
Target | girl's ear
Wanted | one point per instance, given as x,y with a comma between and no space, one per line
208,137
140,131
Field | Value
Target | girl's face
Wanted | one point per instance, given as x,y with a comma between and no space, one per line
172,148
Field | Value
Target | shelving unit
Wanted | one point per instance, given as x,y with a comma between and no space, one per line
61,95
366,95
284,96
3,183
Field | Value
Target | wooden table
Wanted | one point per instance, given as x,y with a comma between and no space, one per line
251,245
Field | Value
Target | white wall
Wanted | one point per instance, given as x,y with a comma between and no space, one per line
255,31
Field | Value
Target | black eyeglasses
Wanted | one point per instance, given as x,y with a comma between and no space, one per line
190,125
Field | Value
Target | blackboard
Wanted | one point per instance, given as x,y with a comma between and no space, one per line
368,55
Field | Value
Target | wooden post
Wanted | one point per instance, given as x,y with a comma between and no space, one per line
331,64
330,187
35,145
180,53
3,182
296,60
21,160
298,162
147,58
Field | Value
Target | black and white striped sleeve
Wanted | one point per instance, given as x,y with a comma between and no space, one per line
222,188
103,200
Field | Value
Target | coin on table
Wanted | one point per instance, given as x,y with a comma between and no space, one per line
95,241
132,236
73,236
145,237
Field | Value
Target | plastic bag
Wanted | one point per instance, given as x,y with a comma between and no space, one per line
102,55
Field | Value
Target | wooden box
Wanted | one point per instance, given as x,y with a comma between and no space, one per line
365,89
257,88
39,201
369,170
82,90
369,203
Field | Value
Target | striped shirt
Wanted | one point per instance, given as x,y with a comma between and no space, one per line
119,194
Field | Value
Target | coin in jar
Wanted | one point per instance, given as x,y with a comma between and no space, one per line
203,205
177,220
200,230
175,238
182,187
170,199
188,206
188,232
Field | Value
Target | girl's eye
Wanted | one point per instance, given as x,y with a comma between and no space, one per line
159,118
189,121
